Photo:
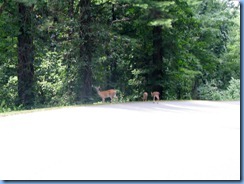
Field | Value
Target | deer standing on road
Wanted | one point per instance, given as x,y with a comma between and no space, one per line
144,97
155,95
111,93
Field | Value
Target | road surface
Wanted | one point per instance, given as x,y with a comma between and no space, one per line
172,140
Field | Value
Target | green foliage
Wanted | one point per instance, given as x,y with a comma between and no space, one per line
9,94
50,75
233,90
210,91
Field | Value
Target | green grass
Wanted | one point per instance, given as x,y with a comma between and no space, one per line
37,109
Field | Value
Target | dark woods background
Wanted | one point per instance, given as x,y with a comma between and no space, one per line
53,51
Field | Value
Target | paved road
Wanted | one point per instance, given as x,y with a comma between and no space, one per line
186,140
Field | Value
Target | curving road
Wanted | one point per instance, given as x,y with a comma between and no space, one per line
172,140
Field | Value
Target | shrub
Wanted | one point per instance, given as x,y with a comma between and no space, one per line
233,90
210,91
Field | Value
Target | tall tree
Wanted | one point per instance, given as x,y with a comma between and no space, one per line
25,56
160,19
86,47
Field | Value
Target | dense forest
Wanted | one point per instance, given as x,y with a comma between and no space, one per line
52,52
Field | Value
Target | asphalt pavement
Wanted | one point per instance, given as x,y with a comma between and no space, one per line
169,140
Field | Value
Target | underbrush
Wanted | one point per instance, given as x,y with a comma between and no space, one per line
210,91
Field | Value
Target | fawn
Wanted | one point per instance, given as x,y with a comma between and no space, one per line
155,95
144,97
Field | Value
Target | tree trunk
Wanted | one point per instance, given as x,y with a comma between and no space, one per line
71,8
25,57
113,12
86,47
157,74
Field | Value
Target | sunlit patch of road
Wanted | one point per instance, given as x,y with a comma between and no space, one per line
186,140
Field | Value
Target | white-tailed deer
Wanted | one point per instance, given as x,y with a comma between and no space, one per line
111,93
144,97
155,95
